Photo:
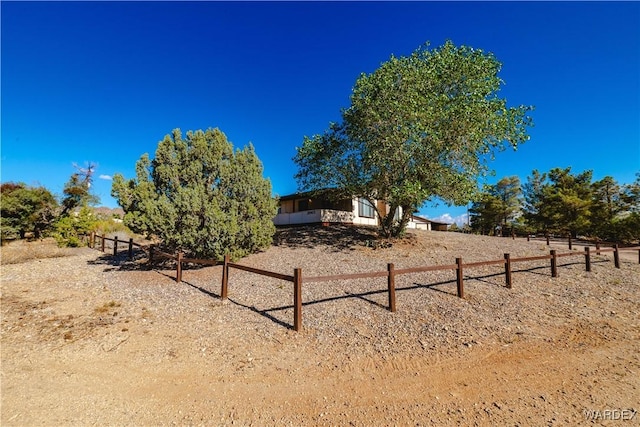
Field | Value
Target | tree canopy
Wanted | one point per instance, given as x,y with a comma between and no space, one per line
561,202
418,127
26,209
498,207
77,191
199,195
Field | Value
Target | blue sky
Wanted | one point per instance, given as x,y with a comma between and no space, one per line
105,81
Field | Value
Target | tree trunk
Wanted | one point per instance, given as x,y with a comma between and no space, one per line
386,223
402,225
398,228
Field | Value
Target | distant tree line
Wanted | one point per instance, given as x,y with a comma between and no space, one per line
559,202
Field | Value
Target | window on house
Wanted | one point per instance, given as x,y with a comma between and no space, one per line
365,208
303,205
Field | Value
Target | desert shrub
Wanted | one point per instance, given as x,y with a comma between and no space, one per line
200,196
109,227
70,229
26,209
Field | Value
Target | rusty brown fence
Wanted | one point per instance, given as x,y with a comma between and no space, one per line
94,239
297,278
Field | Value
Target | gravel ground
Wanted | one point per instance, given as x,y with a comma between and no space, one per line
89,339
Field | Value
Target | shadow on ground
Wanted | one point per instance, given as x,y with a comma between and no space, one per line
121,262
337,237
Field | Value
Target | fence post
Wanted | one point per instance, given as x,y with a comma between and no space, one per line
130,248
528,237
391,282
225,278
587,258
616,256
93,240
297,299
507,269
179,267
570,245
102,245
459,280
547,236
150,253
115,246
554,263
597,247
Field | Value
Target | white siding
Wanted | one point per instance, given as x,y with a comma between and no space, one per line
313,217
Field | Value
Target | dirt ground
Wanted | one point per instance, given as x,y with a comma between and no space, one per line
85,342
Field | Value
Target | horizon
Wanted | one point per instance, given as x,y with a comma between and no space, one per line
104,82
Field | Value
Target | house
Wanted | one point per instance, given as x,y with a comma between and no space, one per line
320,208
421,223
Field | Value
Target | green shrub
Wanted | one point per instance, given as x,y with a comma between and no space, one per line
69,229
200,196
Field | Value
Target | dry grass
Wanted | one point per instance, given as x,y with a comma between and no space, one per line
107,307
23,251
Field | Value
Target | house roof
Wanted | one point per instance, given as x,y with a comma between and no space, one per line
417,218
296,196
306,194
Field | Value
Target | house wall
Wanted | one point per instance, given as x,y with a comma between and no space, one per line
362,220
316,211
314,216
439,227
418,225
310,210
286,206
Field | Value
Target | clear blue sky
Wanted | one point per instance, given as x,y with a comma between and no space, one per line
104,82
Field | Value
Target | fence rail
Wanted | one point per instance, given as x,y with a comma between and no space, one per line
390,273
353,276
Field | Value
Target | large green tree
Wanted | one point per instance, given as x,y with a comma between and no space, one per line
419,127
534,207
25,209
485,214
498,206
201,196
606,207
559,201
627,223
